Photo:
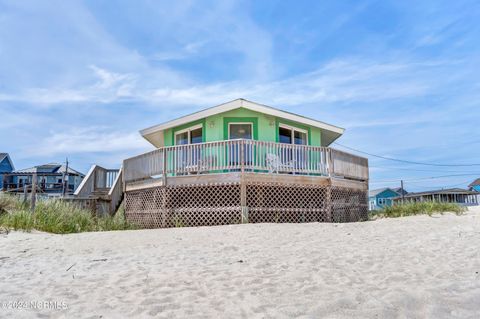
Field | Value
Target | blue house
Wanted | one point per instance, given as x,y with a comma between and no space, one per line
6,166
49,179
380,198
475,185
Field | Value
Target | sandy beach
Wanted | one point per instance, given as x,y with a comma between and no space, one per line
411,267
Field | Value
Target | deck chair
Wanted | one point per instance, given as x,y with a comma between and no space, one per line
275,164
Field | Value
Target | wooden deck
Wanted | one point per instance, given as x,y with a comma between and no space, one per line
244,181
244,156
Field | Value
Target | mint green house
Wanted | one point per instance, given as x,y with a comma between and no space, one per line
242,119
243,161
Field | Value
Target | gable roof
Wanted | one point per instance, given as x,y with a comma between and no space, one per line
475,183
50,168
375,192
5,155
154,134
400,190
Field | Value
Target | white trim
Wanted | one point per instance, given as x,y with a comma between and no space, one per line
292,129
188,130
84,180
191,128
244,104
230,123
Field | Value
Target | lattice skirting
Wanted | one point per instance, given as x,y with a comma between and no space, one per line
220,204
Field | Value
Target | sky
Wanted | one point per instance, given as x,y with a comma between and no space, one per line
79,79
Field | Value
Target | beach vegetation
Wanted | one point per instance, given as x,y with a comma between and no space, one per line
56,216
417,208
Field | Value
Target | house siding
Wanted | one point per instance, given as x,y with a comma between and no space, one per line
266,127
5,167
388,195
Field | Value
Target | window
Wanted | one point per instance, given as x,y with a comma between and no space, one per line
240,130
191,135
382,201
291,135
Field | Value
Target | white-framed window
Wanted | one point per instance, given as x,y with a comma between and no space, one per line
382,201
191,135
240,130
292,135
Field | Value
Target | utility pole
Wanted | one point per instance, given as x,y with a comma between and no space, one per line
65,179
403,191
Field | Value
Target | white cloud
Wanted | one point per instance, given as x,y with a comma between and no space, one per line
88,140
337,81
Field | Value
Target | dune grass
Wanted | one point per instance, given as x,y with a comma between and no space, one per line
419,208
56,216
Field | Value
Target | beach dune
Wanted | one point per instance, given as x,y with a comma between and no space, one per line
411,267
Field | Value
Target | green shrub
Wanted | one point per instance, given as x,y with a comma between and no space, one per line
418,208
11,203
60,217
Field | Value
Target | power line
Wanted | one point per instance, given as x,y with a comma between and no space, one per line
416,170
444,186
423,178
405,161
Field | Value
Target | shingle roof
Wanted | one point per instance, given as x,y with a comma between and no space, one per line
50,168
475,183
400,190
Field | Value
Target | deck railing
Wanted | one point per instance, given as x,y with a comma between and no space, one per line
244,155
96,178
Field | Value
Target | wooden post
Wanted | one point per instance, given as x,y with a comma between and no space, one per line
331,168
242,155
34,192
243,199
164,167
25,193
329,204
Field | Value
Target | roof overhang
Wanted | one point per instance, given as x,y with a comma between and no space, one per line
155,133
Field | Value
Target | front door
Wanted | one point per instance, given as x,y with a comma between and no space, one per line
240,131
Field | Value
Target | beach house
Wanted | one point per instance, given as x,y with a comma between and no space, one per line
49,179
382,197
446,195
242,161
475,185
6,166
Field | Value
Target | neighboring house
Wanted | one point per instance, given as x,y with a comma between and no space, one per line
400,190
450,195
244,162
6,166
475,185
380,198
49,177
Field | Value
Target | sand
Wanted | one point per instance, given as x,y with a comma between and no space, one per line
411,267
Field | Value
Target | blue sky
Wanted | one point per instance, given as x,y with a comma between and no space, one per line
79,79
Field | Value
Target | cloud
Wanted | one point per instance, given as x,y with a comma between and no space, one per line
87,140
337,81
